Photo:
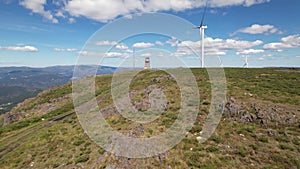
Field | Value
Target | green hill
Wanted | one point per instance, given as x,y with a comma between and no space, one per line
260,127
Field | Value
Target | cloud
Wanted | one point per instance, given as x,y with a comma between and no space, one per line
20,48
259,29
87,53
37,6
159,43
142,45
122,47
146,54
72,20
106,43
104,10
65,49
215,46
173,42
247,3
250,52
101,10
113,54
105,55
292,41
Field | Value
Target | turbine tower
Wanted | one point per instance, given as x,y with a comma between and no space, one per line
133,58
221,63
246,62
202,27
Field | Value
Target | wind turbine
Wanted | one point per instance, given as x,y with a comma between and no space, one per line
221,63
246,62
133,58
202,27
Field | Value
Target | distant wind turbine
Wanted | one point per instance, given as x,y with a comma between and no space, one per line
133,58
202,27
246,62
221,63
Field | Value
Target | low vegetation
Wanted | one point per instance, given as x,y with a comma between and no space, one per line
260,127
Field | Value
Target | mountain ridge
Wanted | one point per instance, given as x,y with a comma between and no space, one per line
20,83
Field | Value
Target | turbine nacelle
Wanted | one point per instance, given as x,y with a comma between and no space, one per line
201,27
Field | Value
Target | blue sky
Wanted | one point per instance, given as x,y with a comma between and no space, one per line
41,33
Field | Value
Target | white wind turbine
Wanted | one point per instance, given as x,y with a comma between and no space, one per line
202,27
133,58
246,62
220,61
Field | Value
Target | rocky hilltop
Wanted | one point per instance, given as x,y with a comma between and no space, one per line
259,128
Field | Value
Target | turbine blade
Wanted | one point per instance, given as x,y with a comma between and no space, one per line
203,16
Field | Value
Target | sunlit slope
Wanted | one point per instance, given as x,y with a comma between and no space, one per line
260,127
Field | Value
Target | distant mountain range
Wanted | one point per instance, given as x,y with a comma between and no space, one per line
20,83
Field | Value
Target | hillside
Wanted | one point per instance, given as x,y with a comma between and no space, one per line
20,83
260,127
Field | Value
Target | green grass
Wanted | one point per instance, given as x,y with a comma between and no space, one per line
59,141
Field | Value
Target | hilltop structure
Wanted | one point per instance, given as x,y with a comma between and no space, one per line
147,63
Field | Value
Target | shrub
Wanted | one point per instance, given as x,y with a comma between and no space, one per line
242,152
78,141
263,139
212,149
286,147
217,139
254,147
82,158
55,165
101,151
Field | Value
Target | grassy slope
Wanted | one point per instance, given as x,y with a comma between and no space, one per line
59,141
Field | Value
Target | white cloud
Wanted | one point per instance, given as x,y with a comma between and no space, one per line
159,43
20,48
292,41
113,54
106,43
37,6
277,45
142,45
247,3
122,47
250,52
72,20
60,13
107,54
104,10
88,53
146,54
173,41
65,49
259,29
215,46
